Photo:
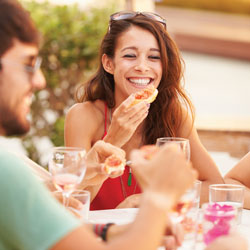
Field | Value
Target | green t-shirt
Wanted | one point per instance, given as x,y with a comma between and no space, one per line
30,218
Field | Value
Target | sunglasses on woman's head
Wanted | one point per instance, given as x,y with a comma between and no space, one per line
122,15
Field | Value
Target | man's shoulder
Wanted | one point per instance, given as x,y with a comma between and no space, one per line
6,155
9,162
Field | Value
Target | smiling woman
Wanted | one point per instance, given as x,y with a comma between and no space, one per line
136,53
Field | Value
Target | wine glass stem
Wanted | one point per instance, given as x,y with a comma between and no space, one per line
66,199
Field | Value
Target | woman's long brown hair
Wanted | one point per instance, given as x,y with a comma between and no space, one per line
166,112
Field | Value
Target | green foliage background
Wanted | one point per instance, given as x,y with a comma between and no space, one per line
71,40
229,6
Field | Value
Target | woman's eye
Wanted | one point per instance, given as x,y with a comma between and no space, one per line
155,57
129,55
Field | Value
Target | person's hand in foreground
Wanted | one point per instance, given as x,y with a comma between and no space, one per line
167,172
230,242
164,178
174,236
96,173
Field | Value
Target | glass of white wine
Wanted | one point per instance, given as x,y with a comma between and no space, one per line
187,208
67,166
182,143
186,201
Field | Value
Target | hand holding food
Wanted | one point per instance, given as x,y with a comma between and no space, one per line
113,163
129,115
167,172
148,95
125,121
95,158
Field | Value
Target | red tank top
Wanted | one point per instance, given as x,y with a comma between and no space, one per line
114,190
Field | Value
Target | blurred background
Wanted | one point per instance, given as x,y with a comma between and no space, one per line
214,39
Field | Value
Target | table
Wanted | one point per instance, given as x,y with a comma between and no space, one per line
244,227
123,216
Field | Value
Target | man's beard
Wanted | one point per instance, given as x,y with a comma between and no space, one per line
11,124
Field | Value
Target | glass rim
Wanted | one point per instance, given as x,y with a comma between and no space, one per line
63,149
226,187
172,139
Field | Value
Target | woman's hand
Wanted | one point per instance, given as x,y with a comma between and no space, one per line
125,121
96,174
131,201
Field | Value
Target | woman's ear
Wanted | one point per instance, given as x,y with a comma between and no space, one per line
107,64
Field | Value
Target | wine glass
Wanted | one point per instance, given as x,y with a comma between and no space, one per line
67,167
182,143
188,199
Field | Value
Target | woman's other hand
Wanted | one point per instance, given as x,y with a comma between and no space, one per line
95,173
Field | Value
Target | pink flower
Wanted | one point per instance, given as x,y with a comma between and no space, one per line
220,217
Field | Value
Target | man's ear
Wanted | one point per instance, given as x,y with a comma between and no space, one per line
107,64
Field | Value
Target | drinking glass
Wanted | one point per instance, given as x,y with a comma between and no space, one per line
182,143
67,167
189,219
83,196
228,194
186,201
217,220
187,209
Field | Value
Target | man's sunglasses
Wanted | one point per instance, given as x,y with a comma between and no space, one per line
28,68
122,15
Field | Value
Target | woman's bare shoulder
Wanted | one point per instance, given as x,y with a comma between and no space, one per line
84,124
89,110
87,115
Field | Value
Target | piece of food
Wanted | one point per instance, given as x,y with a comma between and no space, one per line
114,163
148,95
149,151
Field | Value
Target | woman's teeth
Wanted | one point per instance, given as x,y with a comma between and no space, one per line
140,81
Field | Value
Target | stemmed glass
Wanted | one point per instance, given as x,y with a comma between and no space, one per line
67,167
190,196
182,143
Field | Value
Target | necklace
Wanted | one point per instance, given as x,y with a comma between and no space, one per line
129,182
124,192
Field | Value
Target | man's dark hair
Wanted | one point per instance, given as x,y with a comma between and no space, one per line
15,23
